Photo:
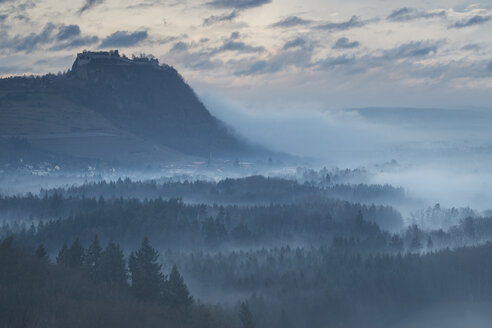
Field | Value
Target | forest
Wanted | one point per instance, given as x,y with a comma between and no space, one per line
246,252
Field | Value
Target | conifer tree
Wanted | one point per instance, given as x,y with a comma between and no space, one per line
245,316
63,255
430,243
176,292
146,276
113,265
41,252
7,242
76,254
92,260
359,222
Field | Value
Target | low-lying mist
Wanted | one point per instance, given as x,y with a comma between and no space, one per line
441,155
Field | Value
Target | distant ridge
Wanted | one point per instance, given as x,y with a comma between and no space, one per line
135,101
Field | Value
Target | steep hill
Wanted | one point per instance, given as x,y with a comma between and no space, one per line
111,107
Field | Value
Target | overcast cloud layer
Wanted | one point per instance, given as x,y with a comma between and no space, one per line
271,53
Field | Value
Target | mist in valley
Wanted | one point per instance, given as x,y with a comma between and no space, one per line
344,194
270,164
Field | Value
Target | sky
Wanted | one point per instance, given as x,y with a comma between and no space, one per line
273,54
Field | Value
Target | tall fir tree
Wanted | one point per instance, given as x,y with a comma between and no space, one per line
146,276
245,316
76,254
113,265
41,252
176,292
92,260
63,256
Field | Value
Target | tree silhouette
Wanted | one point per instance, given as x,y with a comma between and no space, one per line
146,276
245,316
177,294
92,260
113,266
41,252
63,256
76,254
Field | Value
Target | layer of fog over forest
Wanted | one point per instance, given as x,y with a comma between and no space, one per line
443,155
361,182
438,156
374,217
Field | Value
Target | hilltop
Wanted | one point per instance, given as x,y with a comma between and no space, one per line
111,107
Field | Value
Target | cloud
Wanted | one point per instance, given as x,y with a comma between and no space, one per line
90,4
180,53
70,37
59,37
124,39
471,46
28,43
408,14
192,55
76,43
298,53
15,9
68,32
167,39
231,45
6,1
297,58
475,20
13,69
237,4
462,69
344,43
353,22
331,62
179,46
259,67
221,18
412,49
297,42
291,21
357,65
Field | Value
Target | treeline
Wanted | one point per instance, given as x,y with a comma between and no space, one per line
84,290
174,224
333,287
249,190
284,287
469,231
435,217
143,275
331,176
